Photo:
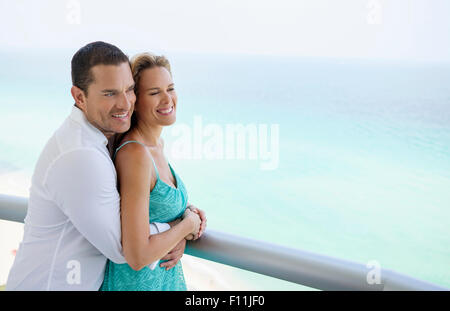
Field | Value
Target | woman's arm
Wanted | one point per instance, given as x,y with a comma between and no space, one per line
134,171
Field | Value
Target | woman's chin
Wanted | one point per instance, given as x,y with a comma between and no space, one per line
169,121
161,120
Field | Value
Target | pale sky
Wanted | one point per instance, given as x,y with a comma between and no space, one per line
398,29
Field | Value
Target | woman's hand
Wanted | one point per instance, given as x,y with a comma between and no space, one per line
189,237
195,219
202,216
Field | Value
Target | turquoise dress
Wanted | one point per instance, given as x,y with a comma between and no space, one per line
166,204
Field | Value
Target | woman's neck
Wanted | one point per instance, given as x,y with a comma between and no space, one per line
149,134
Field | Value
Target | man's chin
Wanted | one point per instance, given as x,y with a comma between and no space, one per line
119,129
115,131
122,130
109,131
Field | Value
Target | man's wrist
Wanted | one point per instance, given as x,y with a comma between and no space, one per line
162,226
174,223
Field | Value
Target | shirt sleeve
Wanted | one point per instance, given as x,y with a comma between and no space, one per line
83,185
161,227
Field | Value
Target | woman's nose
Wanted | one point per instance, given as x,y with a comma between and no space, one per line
166,98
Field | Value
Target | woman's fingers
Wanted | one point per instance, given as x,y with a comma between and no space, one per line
193,208
203,228
203,225
186,212
202,214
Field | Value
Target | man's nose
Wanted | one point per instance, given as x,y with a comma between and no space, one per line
124,102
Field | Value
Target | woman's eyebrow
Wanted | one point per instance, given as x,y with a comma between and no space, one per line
157,88
152,88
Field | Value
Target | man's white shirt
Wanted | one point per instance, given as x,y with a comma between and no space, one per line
73,220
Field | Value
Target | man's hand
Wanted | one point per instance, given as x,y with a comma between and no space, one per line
174,255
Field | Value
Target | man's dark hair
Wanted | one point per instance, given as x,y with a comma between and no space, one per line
90,55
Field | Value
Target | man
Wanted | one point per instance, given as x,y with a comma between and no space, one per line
73,221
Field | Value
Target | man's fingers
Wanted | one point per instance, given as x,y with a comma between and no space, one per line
177,248
168,257
168,264
174,254
172,260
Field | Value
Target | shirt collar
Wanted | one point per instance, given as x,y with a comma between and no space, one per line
78,116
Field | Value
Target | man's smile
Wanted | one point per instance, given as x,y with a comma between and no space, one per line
121,116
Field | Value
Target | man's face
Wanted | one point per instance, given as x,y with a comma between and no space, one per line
110,100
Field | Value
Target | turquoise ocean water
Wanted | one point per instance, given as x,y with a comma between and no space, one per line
364,150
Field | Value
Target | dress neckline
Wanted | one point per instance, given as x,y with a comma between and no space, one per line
175,177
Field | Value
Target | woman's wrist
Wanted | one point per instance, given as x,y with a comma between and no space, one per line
189,223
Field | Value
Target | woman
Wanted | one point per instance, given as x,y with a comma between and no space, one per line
149,187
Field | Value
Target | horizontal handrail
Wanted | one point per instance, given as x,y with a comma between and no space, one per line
290,264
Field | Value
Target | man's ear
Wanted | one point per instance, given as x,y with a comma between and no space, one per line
79,97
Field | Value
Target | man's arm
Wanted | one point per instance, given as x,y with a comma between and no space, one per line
155,228
83,185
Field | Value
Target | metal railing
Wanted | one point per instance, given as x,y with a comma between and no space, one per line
290,264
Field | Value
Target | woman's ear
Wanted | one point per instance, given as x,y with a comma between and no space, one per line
79,97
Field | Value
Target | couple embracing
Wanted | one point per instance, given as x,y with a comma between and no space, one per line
106,210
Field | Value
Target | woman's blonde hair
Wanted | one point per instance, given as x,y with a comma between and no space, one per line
143,61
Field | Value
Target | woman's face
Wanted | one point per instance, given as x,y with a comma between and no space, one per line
157,100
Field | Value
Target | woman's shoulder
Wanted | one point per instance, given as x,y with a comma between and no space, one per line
133,162
130,150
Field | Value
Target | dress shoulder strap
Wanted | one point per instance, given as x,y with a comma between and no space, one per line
135,141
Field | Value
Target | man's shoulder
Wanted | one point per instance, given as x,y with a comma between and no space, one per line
70,145
70,135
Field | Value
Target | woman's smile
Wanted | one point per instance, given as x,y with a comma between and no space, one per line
166,111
